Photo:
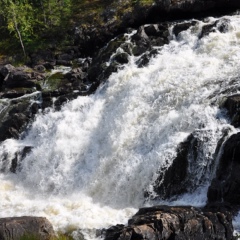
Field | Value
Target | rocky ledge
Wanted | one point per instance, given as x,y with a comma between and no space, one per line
174,223
16,228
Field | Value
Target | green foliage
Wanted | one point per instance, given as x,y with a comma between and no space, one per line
34,24
26,22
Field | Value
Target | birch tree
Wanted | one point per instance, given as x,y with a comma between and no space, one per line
18,16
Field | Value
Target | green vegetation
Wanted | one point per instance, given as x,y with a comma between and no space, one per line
28,25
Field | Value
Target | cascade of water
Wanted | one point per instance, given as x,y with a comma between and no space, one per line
92,161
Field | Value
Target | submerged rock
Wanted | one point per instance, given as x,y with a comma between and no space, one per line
17,228
175,223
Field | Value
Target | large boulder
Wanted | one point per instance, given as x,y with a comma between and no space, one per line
17,228
174,223
192,166
225,187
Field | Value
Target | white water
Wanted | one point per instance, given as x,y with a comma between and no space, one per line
93,160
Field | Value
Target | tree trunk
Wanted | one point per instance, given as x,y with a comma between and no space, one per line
18,33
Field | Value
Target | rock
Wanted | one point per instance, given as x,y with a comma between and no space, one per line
225,187
172,181
49,65
174,223
19,81
41,57
232,104
145,58
6,69
179,27
16,228
149,36
222,25
40,68
109,58
75,74
64,63
15,117
121,58
99,71
84,63
10,163
187,171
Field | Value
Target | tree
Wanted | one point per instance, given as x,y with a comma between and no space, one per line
18,16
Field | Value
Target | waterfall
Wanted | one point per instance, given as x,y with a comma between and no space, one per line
91,162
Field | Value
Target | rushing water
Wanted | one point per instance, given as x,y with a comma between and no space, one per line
92,161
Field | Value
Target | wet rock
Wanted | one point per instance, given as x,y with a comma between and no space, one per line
187,171
110,58
11,162
149,36
164,222
99,71
225,187
173,180
15,93
179,27
16,228
121,58
15,116
232,104
145,58
222,25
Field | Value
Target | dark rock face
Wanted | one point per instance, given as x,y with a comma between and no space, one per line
221,25
187,171
16,228
225,187
146,38
11,163
15,116
232,104
173,181
175,223
149,36
91,38
18,81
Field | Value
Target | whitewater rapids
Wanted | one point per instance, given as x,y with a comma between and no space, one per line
92,161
